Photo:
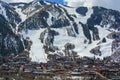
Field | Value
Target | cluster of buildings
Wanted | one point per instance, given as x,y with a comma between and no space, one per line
21,65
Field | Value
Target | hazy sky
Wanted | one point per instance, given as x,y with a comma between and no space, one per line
112,4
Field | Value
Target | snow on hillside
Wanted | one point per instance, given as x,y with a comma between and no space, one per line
72,11
49,19
105,47
80,47
37,52
64,31
83,49
22,15
84,19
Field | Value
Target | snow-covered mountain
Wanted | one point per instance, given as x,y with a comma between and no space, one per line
11,42
60,30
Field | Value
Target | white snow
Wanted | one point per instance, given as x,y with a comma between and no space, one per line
83,49
80,47
49,19
21,14
21,5
19,11
37,52
105,47
83,19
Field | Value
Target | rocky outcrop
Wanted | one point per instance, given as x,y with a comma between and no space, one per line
104,40
47,38
96,51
